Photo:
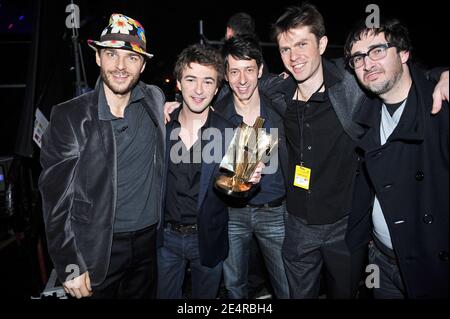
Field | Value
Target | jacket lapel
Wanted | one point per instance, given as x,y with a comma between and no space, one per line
104,130
207,170
205,180
276,121
149,99
345,96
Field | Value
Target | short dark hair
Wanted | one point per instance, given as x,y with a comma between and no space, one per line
242,47
294,17
394,31
241,23
203,55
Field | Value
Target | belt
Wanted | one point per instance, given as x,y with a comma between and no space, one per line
275,203
386,251
184,229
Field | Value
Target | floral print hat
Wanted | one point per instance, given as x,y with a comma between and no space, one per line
122,32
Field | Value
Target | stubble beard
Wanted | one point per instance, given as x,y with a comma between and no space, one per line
116,89
386,86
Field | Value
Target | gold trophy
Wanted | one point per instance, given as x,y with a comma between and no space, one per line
249,146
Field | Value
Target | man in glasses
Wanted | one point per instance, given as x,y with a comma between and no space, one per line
375,53
402,188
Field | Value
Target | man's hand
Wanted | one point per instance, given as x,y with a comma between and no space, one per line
169,107
79,287
256,177
440,93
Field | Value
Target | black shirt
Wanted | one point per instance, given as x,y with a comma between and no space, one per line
134,137
313,128
391,108
183,176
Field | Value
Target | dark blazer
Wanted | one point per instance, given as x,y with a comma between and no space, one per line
78,181
410,176
345,95
212,218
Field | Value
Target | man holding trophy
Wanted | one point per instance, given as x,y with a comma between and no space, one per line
252,210
262,212
195,218
250,146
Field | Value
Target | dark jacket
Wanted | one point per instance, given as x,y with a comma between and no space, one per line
78,182
212,218
345,96
410,176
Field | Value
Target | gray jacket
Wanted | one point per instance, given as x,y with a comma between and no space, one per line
78,182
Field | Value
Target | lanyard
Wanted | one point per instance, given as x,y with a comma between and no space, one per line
301,122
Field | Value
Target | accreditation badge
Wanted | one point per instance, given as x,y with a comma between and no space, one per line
302,176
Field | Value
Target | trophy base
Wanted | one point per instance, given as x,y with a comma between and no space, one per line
229,186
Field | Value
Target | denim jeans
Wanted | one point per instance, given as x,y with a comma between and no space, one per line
307,248
391,283
173,256
267,224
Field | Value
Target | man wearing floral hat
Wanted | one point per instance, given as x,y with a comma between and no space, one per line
102,179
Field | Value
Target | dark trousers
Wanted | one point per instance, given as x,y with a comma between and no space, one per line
391,282
306,248
132,268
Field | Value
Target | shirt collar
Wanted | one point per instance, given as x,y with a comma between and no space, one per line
329,78
236,119
175,123
104,112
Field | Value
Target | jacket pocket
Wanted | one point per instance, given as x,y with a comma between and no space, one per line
81,211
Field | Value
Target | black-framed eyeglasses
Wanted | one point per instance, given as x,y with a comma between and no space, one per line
376,53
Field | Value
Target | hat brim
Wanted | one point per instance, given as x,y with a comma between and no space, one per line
117,45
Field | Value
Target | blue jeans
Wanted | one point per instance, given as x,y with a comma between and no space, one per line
267,224
173,256
391,283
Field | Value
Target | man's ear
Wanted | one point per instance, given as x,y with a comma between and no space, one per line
323,44
229,33
178,85
97,57
260,71
404,56
143,66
